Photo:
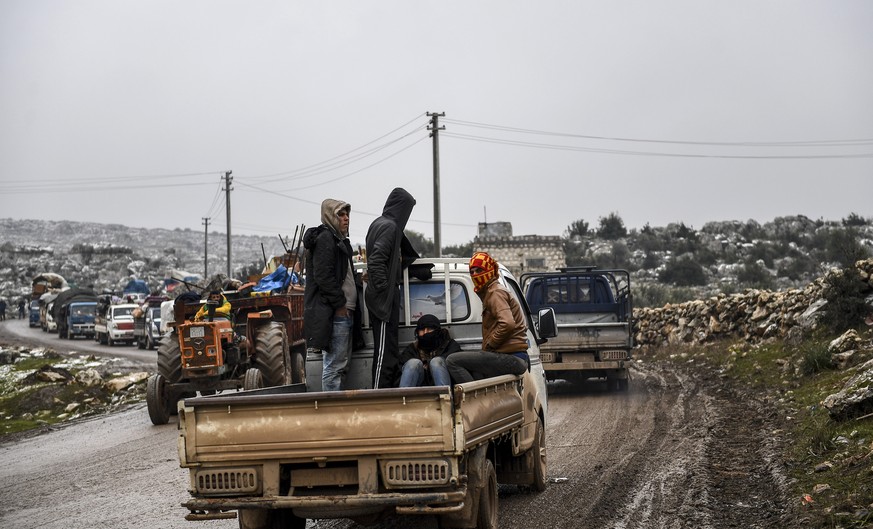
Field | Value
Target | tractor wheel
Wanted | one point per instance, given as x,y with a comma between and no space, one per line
157,399
271,354
170,358
254,379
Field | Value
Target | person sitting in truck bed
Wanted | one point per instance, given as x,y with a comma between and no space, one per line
424,360
504,332
216,301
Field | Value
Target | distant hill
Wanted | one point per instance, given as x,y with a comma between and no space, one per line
668,264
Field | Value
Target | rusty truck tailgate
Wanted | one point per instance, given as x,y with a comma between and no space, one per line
241,427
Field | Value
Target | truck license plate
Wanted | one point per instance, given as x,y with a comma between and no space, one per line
198,332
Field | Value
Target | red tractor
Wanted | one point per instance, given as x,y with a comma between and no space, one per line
259,345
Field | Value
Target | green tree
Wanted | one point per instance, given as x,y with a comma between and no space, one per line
846,308
683,273
753,275
459,250
854,220
422,244
611,227
577,228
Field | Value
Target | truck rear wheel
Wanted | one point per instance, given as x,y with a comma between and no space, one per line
270,519
486,518
271,354
157,400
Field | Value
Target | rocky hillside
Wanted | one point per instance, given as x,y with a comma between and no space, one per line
106,256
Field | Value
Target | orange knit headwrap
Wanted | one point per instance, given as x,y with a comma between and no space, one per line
488,264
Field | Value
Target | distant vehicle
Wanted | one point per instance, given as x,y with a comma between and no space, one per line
147,322
594,310
45,315
135,291
34,313
114,323
62,309
80,319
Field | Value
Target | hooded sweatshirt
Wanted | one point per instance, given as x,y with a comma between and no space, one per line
330,281
388,252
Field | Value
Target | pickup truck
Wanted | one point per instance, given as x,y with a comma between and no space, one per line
281,455
594,311
147,322
114,323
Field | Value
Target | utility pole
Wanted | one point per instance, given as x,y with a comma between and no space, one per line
435,128
227,180
206,248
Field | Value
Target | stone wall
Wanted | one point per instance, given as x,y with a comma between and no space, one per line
753,315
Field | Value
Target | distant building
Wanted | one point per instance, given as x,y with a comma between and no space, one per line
524,253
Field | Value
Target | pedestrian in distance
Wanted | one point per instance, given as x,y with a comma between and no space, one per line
504,331
2,310
424,360
21,304
330,298
388,253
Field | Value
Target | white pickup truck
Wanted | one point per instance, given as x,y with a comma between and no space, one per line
281,455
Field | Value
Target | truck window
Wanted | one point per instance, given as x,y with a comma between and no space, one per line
430,298
122,311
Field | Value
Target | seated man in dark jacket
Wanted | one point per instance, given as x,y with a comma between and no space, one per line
424,360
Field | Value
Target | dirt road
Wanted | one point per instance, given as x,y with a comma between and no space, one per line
678,450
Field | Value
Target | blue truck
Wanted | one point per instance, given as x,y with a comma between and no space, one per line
74,311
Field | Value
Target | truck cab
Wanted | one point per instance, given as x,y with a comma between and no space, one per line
114,323
80,319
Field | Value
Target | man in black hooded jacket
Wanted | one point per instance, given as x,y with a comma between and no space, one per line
388,253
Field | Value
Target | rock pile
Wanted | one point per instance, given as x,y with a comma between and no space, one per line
753,315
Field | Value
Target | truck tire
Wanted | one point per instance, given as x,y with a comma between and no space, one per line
486,517
270,519
254,379
271,354
157,400
538,455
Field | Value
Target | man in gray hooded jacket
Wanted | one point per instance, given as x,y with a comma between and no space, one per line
388,253
330,298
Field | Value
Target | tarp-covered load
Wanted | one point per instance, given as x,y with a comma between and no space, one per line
68,296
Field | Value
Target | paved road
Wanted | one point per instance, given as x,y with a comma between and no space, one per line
676,451
18,332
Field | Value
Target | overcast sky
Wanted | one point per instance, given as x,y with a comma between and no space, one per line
129,112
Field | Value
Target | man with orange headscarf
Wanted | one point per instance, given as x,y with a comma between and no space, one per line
504,332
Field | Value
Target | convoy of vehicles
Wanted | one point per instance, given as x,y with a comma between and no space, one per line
281,455
281,451
594,310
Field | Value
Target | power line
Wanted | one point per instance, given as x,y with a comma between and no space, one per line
802,143
646,153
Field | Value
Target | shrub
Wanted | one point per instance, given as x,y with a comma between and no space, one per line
683,273
814,357
611,227
846,307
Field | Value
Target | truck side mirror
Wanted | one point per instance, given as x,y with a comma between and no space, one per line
548,325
